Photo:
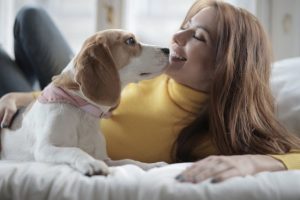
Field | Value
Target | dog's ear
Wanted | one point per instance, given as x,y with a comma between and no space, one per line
65,80
97,74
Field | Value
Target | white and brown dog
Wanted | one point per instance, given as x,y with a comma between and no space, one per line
62,125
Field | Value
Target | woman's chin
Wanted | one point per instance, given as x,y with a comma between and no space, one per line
173,67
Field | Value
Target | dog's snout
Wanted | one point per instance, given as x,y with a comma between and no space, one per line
165,51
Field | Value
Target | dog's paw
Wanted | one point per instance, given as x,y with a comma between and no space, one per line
91,167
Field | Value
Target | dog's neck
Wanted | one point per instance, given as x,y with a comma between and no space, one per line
53,94
70,68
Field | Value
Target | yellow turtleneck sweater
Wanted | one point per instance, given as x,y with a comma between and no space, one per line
149,118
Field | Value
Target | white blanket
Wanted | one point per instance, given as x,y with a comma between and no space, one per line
33,180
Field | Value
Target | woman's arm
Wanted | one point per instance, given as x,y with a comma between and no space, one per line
10,103
220,168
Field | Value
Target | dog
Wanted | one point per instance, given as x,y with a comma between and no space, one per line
62,125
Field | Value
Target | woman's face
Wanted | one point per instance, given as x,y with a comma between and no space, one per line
192,54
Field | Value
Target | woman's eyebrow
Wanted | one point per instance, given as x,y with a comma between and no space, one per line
202,27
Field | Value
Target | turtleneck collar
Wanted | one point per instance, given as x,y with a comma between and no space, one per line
185,97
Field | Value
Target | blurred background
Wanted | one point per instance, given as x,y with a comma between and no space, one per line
153,21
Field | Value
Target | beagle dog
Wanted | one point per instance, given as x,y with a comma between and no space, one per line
62,125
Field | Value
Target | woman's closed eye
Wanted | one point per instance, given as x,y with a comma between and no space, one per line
199,37
199,34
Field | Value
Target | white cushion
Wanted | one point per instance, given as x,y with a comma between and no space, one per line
36,180
285,84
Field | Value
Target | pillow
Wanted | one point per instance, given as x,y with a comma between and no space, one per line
285,84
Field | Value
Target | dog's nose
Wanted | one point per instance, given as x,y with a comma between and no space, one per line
165,50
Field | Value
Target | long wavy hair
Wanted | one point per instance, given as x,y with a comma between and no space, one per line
239,117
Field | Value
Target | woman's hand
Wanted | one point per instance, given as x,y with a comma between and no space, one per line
9,105
220,168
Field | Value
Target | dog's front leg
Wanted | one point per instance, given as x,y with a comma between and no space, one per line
144,166
57,140
73,156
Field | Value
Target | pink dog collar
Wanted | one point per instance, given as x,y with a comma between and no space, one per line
53,94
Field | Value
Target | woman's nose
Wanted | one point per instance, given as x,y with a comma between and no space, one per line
181,37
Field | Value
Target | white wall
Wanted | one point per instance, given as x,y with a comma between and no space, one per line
281,19
250,5
154,21
285,28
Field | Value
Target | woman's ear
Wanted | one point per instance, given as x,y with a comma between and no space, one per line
97,74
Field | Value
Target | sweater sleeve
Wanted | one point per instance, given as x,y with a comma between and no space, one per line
36,94
291,160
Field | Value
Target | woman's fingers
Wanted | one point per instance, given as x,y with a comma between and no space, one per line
218,168
8,108
217,176
205,169
188,172
210,172
8,115
221,168
1,117
200,173
2,114
225,175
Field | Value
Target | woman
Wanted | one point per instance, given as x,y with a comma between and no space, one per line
213,104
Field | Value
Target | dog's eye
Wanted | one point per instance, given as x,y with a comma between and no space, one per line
130,41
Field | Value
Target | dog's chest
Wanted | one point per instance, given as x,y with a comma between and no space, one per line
89,139
87,136
73,127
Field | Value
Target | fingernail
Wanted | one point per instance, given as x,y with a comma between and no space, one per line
4,125
214,180
179,177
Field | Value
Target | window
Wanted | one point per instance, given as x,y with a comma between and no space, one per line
155,21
